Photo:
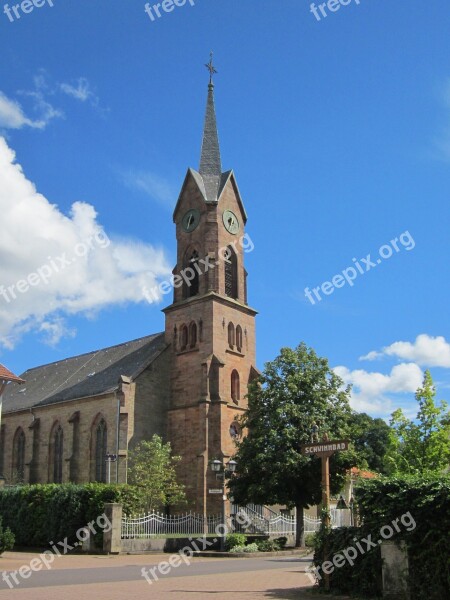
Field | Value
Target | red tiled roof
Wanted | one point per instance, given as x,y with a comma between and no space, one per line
364,474
6,375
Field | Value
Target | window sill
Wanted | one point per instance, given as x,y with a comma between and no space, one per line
235,352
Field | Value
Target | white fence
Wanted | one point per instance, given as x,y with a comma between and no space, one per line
159,525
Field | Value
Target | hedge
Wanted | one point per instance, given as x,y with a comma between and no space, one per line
380,502
41,514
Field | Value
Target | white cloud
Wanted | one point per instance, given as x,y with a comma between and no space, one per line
12,115
80,91
427,351
85,271
152,185
371,390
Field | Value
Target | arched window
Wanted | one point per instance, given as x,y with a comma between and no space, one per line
231,338
184,337
57,446
101,442
231,279
19,456
235,387
192,335
239,338
191,288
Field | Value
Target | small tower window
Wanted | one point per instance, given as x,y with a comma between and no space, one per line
239,338
184,335
231,335
193,335
194,283
231,279
235,387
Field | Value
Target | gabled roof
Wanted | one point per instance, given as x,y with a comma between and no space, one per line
202,183
6,375
84,376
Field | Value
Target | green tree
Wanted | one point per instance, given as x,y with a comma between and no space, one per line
421,445
151,467
371,439
297,389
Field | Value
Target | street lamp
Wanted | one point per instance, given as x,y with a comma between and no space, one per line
222,471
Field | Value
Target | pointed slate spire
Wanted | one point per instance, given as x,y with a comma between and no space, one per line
210,163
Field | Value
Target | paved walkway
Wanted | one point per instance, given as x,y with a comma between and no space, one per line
120,578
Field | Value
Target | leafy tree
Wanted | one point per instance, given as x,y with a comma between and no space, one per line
421,445
371,439
151,467
297,389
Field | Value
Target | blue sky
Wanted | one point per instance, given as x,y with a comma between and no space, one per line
339,134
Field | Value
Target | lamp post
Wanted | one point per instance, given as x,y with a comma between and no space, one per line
222,471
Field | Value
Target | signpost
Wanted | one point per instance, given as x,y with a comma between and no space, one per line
324,450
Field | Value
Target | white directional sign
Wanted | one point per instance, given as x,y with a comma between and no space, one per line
325,447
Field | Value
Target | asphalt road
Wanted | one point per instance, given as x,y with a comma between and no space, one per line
132,573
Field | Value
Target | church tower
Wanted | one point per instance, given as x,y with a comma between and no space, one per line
209,326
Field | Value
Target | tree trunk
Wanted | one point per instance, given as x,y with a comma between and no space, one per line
300,530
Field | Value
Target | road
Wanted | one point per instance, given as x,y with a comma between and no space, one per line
120,577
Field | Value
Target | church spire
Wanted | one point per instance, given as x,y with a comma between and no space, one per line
210,163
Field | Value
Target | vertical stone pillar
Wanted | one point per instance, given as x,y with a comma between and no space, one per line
112,540
395,571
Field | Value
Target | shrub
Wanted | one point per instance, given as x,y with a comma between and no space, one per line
249,548
268,545
423,503
281,541
234,539
237,549
6,538
310,540
41,513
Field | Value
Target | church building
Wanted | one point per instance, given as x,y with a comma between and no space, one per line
187,384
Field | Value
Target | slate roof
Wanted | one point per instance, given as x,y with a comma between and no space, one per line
6,375
83,376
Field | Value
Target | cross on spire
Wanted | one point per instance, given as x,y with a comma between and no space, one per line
211,68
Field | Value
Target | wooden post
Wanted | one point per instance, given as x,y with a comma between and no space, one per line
325,449
326,488
326,508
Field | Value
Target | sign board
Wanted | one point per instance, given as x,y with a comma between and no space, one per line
320,448
216,491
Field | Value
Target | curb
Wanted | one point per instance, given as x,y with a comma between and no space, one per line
301,552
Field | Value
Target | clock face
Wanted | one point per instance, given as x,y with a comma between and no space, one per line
230,221
190,220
